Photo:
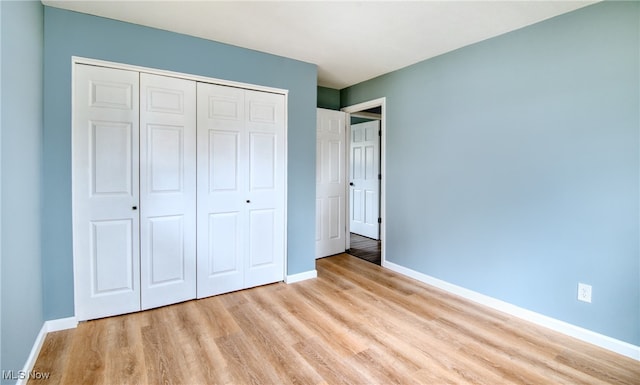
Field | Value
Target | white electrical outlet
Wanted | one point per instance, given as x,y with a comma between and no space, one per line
584,292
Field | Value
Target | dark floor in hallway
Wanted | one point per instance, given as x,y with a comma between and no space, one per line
365,248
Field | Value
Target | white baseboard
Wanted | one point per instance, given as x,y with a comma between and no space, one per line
47,327
606,342
33,356
301,276
55,325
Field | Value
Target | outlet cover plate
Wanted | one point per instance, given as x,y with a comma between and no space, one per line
584,292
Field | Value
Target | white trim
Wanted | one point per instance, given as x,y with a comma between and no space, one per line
382,103
346,176
606,342
47,327
33,356
285,201
56,325
364,105
181,75
366,115
301,276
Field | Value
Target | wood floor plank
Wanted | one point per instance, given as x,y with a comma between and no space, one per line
290,329
623,371
385,369
372,271
211,358
216,315
357,320
160,352
331,367
356,323
378,289
86,356
414,351
496,324
289,366
124,357
245,365
54,355
322,326
192,340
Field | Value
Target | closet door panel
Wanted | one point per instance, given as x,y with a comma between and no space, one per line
265,125
224,254
223,161
262,235
263,158
221,189
165,159
166,250
111,175
111,257
167,190
105,146
224,166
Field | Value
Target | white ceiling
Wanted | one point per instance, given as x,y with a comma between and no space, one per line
350,41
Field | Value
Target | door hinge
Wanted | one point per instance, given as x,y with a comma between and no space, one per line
379,176
379,132
379,220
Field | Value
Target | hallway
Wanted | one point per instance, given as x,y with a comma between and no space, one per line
365,248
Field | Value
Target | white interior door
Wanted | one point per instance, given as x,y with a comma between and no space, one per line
265,174
167,190
364,189
241,182
330,183
221,188
105,191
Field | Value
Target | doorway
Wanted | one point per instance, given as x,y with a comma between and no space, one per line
364,177
366,209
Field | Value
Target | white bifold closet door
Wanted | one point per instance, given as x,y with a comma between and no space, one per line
241,182
178,190
105,192
133,191
167,190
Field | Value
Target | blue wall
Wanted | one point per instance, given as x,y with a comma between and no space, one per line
328,98
69,33
513,166
22,311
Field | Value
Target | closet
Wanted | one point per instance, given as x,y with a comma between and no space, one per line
178,189
241,193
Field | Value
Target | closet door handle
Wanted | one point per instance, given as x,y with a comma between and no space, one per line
134,207
248,201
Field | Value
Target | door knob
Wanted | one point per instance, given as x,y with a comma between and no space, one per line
248,201
134,207
351,184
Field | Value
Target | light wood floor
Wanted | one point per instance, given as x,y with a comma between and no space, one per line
355,324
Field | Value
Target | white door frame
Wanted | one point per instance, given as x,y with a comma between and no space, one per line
355,109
